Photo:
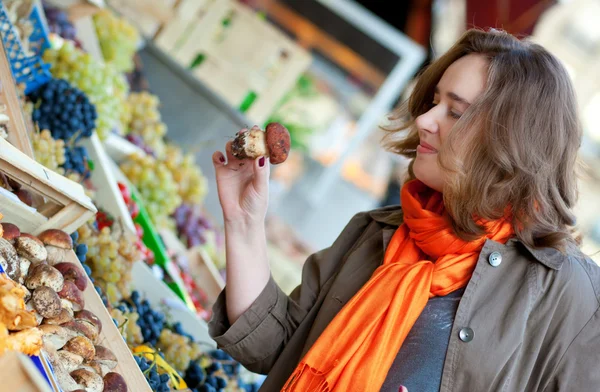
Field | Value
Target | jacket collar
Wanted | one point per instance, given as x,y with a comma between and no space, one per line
390,216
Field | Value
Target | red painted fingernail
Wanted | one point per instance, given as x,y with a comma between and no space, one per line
261,161
222,159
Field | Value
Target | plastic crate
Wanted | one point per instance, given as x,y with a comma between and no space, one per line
27,69
39,40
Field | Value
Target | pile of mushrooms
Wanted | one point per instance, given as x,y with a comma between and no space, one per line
70,332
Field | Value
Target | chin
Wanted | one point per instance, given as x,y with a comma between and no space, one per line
429,174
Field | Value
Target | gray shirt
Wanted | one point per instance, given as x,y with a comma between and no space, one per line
420,361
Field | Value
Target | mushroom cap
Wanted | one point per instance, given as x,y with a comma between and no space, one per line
72,293
106,357
83,327
46,302
44,275
114,382
11,232
81,345
89,316
72,272
278,142
58,238
9,259
25,196
63,317
70,360
31,248
56,335
90,380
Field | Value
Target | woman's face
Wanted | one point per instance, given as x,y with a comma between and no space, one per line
460,85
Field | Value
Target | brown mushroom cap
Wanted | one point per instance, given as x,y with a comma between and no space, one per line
90,380
70,360
57,238
11,232
63,317
106,357
114,382
90,317
81,345
31,248
73,294
46,302
278,142
83,327
25,196
73,273
9,259
44,275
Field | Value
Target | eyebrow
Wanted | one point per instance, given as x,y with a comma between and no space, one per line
454,97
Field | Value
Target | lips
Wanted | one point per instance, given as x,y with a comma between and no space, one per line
426,148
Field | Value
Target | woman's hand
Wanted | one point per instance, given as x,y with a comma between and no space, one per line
243,187
403,389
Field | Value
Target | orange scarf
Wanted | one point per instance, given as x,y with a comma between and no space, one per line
424,259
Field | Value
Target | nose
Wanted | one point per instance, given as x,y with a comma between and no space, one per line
428,122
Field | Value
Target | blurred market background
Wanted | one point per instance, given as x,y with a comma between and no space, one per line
329,70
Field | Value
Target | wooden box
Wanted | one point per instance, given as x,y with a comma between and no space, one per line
59,203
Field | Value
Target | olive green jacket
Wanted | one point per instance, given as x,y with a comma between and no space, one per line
529,319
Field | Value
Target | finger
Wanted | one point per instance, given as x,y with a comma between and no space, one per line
403,389
218,158
262,170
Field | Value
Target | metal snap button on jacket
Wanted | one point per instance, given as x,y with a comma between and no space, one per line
495,259
466,334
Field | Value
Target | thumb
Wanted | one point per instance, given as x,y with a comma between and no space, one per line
262,171
403,389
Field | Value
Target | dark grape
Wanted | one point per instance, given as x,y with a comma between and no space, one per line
60,107
76,161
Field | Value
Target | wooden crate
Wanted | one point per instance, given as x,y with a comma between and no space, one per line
111,338
17,127
63,203
147,15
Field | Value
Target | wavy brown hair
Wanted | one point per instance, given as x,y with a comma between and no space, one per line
515,147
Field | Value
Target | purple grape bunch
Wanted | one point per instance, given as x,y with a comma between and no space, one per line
191,224
58,22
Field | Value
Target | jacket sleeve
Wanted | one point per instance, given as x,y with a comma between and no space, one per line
579,368
259,335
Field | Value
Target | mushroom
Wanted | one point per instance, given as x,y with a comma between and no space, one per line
91,381
67,305
83,327
44,275
71,293
70,360
98,368
81,345
114,382
63,317
56,336
105,357
25,196
64,379
31,248
58,244
9,260
24,265
38,317
274,143
72,272
89,316
11,232
27,296
46,302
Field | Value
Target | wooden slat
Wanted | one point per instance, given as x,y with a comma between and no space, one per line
69,219
19,214
17,132
112,339
187,14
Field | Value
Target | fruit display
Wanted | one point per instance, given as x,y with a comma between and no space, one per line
273,142
111,251
191,184
64,110
51,312
59,23
157,187
192,224
118,39
145,122
48,151
105,87
146,255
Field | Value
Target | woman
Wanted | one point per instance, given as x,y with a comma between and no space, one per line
475,285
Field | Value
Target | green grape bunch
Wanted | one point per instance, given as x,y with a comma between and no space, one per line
145,121
156,184
104,85
118,39
48,151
